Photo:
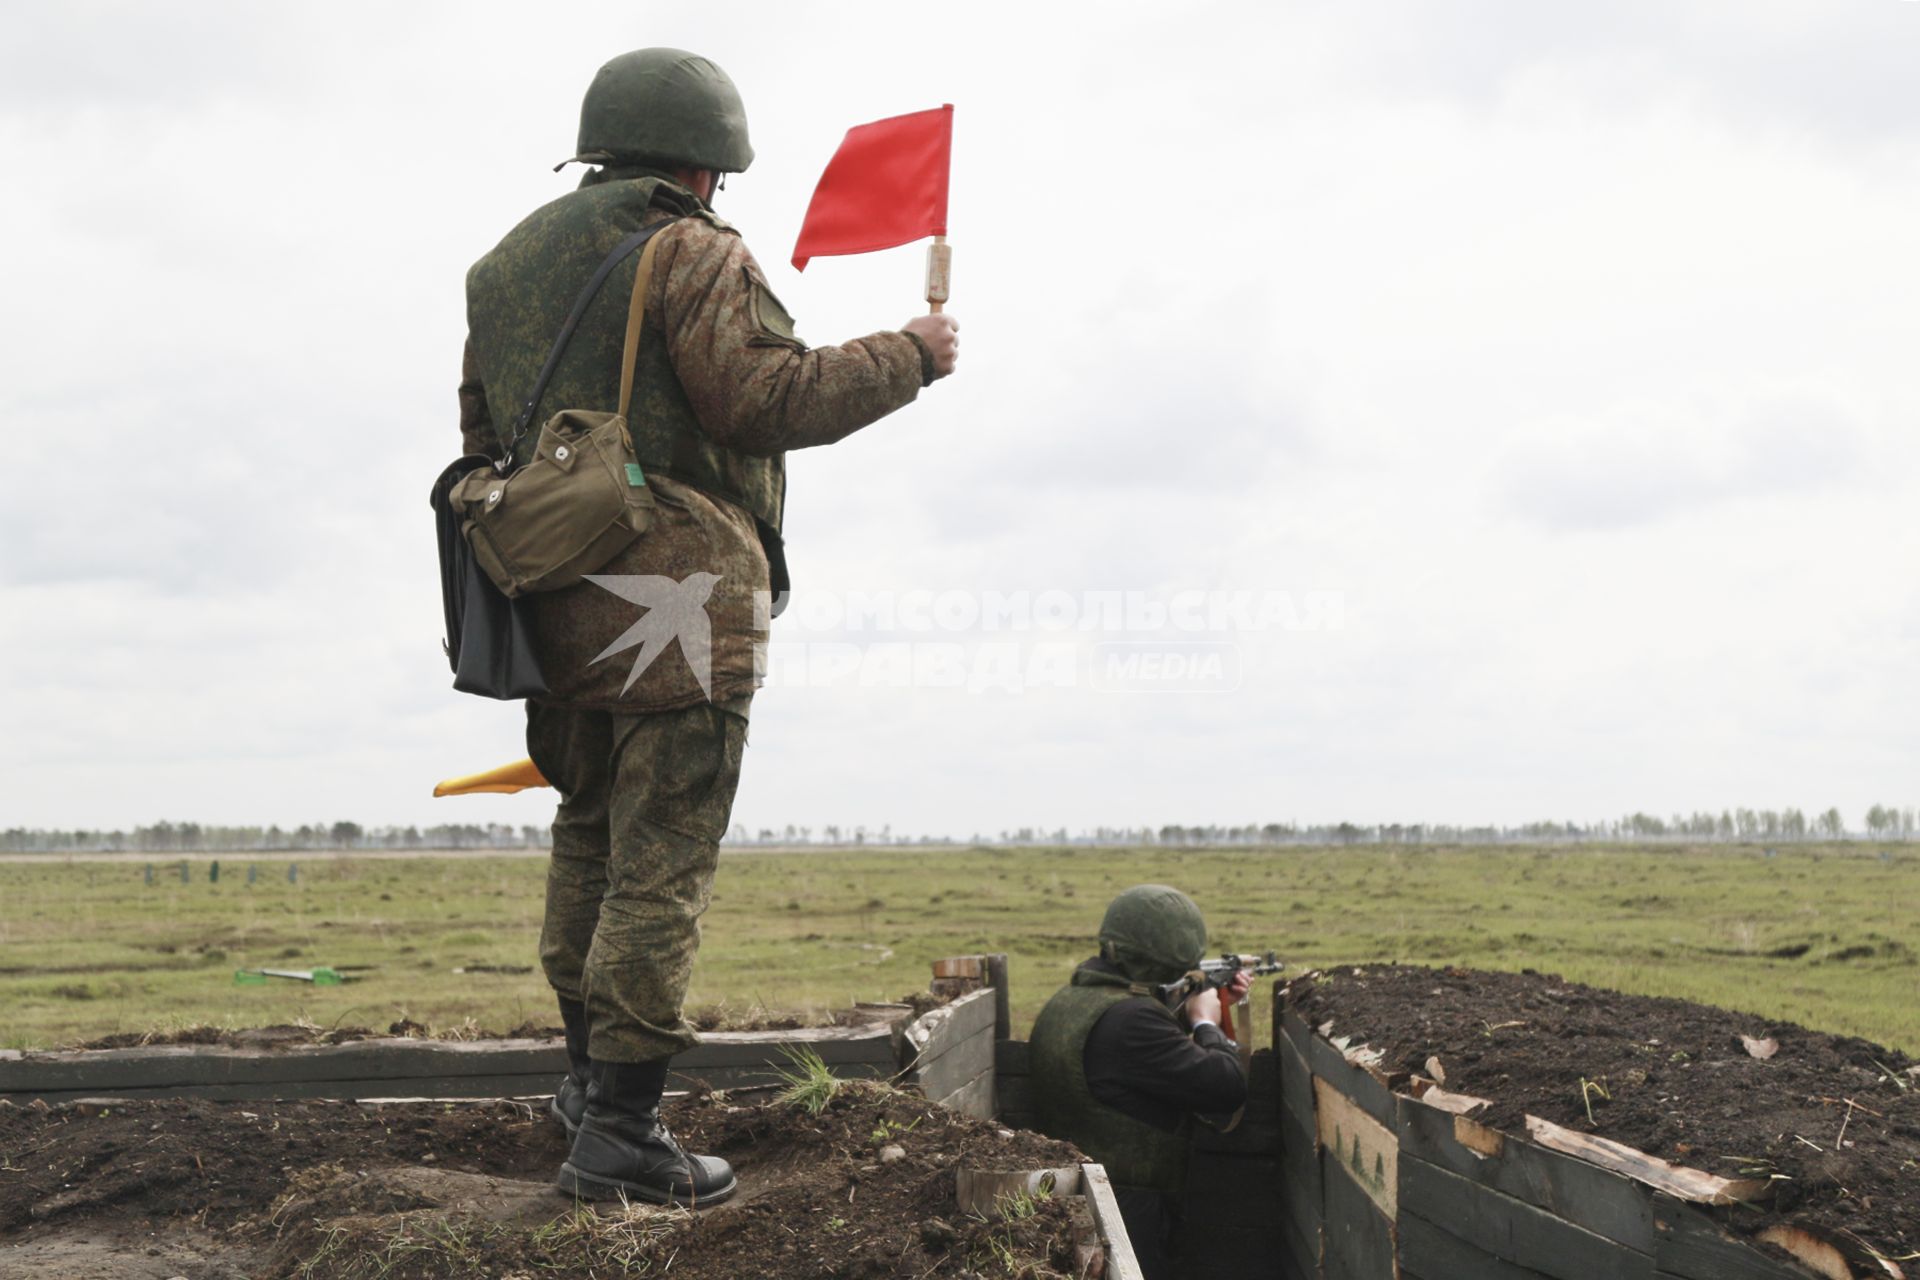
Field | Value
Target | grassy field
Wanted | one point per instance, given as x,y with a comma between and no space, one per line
1826,936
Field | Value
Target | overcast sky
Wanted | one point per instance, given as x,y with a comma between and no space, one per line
1568,349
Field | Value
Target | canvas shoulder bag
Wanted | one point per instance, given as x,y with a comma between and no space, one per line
581,498
489,640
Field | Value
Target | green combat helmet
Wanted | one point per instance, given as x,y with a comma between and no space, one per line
666,106
1154,933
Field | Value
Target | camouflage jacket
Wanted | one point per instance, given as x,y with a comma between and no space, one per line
716,330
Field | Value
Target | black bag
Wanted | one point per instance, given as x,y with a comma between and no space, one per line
488,644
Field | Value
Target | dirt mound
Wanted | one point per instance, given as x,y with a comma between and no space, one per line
1833,1120
337,1190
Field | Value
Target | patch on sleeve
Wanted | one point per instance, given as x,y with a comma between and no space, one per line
773,325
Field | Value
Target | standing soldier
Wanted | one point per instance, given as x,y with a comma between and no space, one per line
1123,1077
646,759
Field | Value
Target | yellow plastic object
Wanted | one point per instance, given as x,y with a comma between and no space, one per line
505,780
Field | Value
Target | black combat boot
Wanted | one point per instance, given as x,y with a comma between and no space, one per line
570,1099
623,1149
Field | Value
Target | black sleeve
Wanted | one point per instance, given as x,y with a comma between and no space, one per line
1141,1063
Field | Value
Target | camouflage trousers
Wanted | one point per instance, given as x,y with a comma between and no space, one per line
644,800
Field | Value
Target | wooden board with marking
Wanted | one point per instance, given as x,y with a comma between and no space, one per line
1357,1239
1358,1143
1354,1081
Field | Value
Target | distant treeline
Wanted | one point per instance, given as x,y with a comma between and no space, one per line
1881,823
194,837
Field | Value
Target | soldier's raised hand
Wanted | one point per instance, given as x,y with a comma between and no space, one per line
1203,1006
941,333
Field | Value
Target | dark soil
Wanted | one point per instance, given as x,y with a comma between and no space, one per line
1679,1083
336,1190
221,1163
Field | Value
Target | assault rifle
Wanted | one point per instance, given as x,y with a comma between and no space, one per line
1215,975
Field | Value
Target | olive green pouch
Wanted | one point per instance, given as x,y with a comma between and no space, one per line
566,513
580,499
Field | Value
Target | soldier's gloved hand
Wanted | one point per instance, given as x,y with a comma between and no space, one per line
941,333
1203,1006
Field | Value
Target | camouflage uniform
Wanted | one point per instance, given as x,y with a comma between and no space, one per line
723,388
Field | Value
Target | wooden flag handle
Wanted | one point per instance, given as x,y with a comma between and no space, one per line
939,273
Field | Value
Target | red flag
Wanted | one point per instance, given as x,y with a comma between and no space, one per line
885,186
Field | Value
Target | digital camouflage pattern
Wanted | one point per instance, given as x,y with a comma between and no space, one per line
723,388
518,297
668,106
644,800
1154,932
1135,1153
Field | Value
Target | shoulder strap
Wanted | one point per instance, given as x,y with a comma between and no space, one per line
580,305
636,320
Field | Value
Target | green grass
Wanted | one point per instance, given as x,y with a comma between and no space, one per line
810,1082
87,949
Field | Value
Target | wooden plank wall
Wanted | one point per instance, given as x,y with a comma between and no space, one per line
1302,1198
1374,1183
415,1068
949,1052
953,1059
1233,1178
1012,1091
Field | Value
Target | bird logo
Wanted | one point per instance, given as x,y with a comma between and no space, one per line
670,611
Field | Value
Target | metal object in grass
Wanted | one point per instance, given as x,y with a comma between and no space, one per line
320,977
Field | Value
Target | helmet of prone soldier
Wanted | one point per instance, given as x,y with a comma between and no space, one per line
1154,933
666,107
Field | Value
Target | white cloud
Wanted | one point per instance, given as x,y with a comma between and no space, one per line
1642,462
1571,343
